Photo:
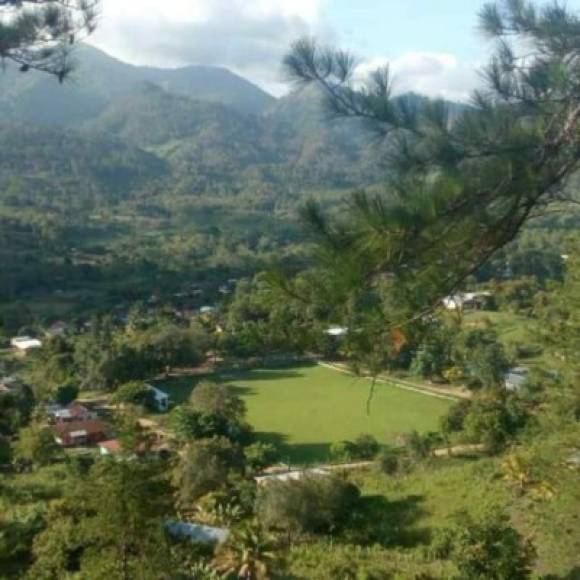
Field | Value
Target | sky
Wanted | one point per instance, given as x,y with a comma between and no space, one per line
432,46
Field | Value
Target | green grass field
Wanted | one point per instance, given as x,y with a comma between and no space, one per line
306,409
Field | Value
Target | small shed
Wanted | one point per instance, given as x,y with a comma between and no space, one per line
515,378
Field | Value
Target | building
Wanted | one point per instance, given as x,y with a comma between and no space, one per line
468,300
80,433
110,447
197,532
25,344
73,412
160,399
336,331
515,378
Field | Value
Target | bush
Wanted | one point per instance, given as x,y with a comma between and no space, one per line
314,504
488,549
390,461
364,447
260,455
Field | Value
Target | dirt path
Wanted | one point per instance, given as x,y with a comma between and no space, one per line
440,392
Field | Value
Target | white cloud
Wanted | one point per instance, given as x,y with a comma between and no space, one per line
432,74
247,36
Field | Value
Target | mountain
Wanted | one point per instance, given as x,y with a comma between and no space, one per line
100,79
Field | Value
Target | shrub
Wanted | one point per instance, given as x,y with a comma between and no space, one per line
389,461
260,455
487,549
314,504
66,394
364,447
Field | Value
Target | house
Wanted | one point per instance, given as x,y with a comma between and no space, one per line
207,310
160,399
515,378
197,532
79,433
110,447
73,412
25,344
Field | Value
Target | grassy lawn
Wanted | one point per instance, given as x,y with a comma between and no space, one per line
306,409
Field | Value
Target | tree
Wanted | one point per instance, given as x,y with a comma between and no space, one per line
134,393
36,445
465,181
217,399
39,34
66,394
108,525
260,455
313,504
249,554
205,465
486,549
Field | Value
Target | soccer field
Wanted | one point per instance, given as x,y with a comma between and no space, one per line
306,409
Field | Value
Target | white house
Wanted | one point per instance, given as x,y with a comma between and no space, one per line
207,310
25,344
197,532
161,399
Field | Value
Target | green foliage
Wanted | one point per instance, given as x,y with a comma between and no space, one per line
134,393
364,447
15,409
493,419
261,455
313,504
108,525
205,465
39,36
486,549
464,182
36,445
66,394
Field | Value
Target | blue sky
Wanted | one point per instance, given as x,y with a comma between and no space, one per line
433,46
396,26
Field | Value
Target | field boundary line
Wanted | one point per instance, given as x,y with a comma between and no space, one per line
393,382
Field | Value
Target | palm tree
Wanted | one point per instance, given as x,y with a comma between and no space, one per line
249,554
516,472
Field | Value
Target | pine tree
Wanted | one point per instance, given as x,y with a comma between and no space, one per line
39,34
462,183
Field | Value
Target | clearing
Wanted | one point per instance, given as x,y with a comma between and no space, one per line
305,409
